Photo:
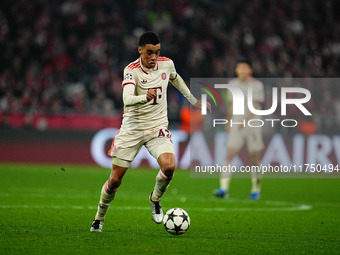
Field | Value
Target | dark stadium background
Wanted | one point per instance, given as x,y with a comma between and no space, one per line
61,62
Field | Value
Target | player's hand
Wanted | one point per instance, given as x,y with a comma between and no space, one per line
198,105
152,93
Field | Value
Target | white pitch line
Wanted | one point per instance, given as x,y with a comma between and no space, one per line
301,207
273,205
267,206
138,198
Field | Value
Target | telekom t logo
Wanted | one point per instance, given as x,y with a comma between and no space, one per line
159,96
238,100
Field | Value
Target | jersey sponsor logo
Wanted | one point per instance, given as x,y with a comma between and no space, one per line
159,96
144,81
163,75
128,77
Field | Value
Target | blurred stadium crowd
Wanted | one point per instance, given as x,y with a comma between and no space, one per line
62,56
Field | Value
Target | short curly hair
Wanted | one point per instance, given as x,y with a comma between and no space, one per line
149,37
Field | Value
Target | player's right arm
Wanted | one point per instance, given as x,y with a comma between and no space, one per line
129,86
129,98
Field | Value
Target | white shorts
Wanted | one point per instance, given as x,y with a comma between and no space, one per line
126,144
252,136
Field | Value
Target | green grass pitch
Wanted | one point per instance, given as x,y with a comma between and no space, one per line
45,210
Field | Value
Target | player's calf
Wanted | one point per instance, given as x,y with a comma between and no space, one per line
162,184
106,197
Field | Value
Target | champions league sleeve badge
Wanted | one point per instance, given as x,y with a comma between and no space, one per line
128,77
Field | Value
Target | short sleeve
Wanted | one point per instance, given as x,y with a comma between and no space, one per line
128,77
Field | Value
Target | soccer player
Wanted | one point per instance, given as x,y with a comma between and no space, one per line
240,134
145,122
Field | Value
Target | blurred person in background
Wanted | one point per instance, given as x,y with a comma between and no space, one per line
239,134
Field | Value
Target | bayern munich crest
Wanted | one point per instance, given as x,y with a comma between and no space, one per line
163,76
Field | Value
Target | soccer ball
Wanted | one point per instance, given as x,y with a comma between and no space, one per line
176,221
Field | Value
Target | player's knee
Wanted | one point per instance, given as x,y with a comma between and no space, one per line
255,160
229,158
231,154
168,169
114,182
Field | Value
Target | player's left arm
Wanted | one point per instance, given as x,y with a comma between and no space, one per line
179,83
